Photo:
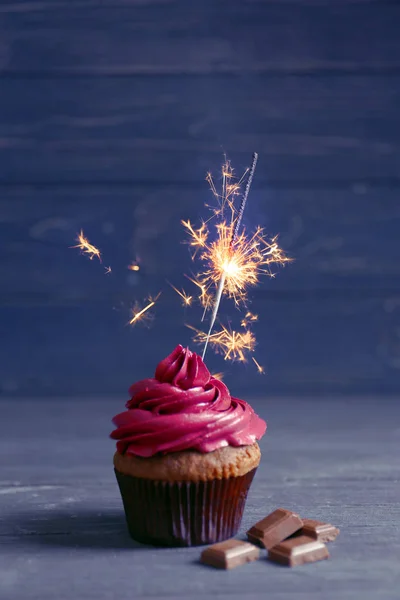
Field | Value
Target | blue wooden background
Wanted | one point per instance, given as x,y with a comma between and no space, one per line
112,111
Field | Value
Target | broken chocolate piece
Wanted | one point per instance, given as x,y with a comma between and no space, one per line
324,532
298,551
274,528
229,554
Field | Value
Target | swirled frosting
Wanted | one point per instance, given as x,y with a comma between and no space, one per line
183,407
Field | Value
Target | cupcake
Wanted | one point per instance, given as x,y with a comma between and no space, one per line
186,455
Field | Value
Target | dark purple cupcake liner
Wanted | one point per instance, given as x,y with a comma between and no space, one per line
165,513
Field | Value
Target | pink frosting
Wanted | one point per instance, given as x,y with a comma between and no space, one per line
183,408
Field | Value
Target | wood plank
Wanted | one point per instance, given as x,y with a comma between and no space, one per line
323,129
340,240
62,525
131,37
310,344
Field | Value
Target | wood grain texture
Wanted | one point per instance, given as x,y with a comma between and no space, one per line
62,526
309,344
329,321
315,129
175,36
110,115
344,239
339,239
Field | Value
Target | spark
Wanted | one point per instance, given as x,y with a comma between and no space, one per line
210,181
140,314
248,319
134,267
204,298
260,368
107,270
198,237
219,376
87,247
186,300
234,345
230,189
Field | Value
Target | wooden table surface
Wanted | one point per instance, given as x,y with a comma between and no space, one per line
62,529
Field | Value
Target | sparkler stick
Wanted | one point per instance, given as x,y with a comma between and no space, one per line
245,196
203,316
235,233
217,302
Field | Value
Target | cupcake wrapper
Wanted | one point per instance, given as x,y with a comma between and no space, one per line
183,513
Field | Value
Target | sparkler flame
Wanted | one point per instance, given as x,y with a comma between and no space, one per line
233,261
87,247
241,263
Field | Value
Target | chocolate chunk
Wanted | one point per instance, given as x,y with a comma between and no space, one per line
274,528
298,551
229,554
324,532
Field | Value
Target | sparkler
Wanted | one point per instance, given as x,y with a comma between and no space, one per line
229,266
87,247
107,270
232,263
